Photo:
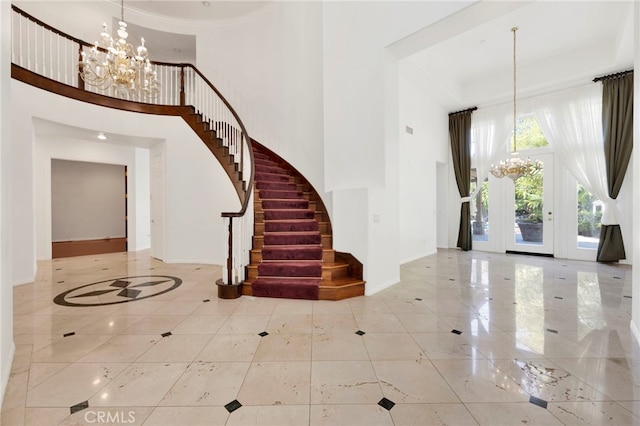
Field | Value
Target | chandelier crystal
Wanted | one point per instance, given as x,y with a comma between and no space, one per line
515,167
113,63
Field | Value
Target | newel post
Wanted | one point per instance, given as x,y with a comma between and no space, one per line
80,80
182,94
230,254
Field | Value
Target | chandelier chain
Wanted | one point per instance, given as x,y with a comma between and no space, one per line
515,119
515,167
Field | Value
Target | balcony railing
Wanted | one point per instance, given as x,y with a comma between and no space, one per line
40,49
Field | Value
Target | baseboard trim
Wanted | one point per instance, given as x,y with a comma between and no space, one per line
88,247
6,373
370,291
635,332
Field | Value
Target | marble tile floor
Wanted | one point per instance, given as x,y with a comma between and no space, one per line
465,338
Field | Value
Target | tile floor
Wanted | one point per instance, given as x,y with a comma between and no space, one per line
465,339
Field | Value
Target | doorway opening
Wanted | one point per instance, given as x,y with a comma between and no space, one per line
88,208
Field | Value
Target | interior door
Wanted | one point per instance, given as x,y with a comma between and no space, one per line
157,206
529,218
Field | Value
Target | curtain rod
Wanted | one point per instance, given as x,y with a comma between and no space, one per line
463,111
610,76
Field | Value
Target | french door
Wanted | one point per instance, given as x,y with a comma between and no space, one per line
529,210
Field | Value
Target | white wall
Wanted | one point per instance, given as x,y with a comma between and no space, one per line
362,125
635,311
140,207
87,200
7,347
419,154
197,189
269,66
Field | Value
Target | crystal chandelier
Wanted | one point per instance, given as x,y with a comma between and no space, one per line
514,166
115,63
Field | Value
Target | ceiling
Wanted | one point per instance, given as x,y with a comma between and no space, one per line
559,44
199,10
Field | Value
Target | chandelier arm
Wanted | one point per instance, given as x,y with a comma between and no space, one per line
115,63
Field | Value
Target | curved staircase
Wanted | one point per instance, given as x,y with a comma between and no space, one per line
292,255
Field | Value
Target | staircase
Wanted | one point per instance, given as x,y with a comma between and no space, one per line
292,255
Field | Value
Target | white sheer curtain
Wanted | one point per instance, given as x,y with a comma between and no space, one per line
571,120
490,134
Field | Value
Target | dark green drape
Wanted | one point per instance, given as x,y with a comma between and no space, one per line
617,126
460,136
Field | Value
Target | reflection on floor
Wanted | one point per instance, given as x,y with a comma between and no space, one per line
466,338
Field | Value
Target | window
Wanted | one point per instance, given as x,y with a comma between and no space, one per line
480,209
589,219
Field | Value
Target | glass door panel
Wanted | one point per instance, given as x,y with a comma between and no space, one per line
531,210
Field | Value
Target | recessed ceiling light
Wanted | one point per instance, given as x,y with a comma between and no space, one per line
102,137
206,4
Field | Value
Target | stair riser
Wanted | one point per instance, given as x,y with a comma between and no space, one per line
284,270
277,186
265,177
270,226
258,241
285,204
291,239
335,273
327,256
280,195
283,215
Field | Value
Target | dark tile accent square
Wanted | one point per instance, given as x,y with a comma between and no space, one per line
451,279
58,269
537,401
79,407
264,333
628,297
454,331
120,284
387,404
233,406
206,300
69,334
489,298
558,297
197,269
418,299
129,292
167,334
551,330
360,333
617,278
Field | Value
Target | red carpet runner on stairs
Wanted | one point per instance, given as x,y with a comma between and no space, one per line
291,264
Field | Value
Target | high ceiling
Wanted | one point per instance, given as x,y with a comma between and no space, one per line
559,43
191,9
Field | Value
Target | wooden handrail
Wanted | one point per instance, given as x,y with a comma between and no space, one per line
32,77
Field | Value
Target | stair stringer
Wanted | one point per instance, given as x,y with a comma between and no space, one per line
216,146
